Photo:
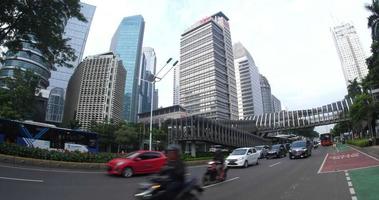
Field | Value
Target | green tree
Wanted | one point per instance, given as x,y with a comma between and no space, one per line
354,88
373,19
341,127
40,23
72,124
17,97
373,60
127,135
106,131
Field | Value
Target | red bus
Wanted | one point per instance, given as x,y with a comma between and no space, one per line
326,139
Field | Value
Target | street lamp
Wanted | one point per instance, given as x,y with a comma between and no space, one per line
152,80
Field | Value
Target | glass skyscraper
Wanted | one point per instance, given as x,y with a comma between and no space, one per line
147,69
77,31
127,43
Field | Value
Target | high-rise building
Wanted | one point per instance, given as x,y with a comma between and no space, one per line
248,83
55,105
27,58
276,104
350,52
156,99
266,95
176,88
207,77
77,31
95,91
147,70
127,43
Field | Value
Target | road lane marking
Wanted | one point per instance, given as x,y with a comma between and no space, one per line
323,162
346,173
349,184
354,198
352,191
274,164
59,171
348,178
364,153
21,179
232,179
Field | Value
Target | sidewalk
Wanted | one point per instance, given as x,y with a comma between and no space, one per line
372,150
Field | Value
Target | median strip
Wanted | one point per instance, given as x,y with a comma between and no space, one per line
21,179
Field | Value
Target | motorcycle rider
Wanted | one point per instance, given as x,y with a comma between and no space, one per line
175,171
218,157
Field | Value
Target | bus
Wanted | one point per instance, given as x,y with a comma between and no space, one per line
46,136
326,139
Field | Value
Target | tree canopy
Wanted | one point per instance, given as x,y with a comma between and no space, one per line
40,23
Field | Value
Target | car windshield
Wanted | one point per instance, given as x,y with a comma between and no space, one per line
275,147
131,155
298,144
239,152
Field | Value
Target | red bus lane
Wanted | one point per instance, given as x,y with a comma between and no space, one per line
347,160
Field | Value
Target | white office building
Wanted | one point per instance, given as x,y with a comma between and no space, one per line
350,52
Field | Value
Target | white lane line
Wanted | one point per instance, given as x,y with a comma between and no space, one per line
349,184
352,191
348,178
364,153
21,179
59,171
323,162
274,164
354,198
232,179
346,174
337,171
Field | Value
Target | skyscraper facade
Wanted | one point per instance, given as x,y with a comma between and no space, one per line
55,105
207,76
248,83
77,31
127,43
350,52
276,104
147,70
266,94
176,88
95,91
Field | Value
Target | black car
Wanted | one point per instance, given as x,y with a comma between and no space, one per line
277,151
300,149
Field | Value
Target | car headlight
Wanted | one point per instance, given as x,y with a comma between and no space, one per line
241,158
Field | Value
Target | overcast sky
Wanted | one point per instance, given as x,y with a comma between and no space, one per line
290,40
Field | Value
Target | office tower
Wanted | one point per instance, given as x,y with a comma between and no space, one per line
77,31
147,71
276,104
266,95
350,52
156,99
95,91
176,88
248,83
207,77
55,105
27,58
127,43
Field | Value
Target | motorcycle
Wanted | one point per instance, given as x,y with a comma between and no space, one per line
212,175
152,191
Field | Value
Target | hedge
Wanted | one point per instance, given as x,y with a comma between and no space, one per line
359,142
21,151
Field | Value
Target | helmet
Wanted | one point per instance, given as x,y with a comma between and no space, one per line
173,147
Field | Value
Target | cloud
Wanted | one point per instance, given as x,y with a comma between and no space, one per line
290,40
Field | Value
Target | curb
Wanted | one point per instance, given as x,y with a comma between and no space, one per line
23,161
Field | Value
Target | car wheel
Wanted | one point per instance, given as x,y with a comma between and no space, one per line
257,163
245,164
127,172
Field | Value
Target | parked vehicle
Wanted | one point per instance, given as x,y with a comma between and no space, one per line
242,157
300,149
277,151
139,162
154,190
262,150
212,175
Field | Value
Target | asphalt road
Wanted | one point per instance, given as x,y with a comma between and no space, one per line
271,179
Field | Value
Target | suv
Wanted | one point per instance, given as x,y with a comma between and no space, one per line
300,149
277,151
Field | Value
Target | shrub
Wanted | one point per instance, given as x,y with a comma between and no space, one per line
359,142
17,150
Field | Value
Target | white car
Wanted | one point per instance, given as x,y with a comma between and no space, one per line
242,157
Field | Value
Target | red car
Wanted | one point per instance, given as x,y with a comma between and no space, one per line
138,162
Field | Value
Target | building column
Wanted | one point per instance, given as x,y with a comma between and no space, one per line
193,149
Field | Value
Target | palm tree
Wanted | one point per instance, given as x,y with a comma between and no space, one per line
354,89
373,20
